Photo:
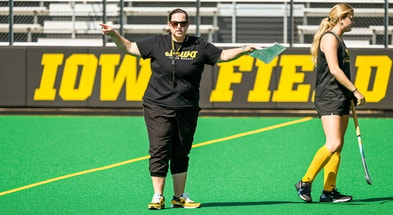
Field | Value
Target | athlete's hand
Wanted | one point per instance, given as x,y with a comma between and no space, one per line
250,48
106,29
360,99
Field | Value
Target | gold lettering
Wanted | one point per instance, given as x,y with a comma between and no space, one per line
138,82
291,87
227,76
112,82
68,89
383,65
47,91
261,92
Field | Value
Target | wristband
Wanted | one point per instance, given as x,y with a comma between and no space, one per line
244,47
354,90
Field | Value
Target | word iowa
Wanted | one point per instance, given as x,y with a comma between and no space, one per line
79,75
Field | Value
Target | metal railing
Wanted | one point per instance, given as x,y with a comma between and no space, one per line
286,21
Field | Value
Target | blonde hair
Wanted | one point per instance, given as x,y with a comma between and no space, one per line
338,11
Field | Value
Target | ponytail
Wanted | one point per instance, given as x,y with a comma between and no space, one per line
323,28
338,11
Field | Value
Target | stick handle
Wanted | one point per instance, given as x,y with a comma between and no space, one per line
355,118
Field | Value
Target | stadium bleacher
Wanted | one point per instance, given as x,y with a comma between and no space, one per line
379,30
368,34
220,22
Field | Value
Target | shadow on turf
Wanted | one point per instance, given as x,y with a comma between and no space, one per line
232,204
381,200
228,204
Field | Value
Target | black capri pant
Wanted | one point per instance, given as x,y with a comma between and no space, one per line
171,133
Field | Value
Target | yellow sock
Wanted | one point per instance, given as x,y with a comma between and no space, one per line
330,172
319,161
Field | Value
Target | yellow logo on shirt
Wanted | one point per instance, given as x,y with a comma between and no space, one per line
182,55
346,59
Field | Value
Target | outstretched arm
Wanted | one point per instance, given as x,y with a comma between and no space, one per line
122,43
234,53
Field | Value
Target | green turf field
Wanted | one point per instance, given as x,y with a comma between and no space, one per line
239,165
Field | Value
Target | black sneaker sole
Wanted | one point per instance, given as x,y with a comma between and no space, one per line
154,208
335,200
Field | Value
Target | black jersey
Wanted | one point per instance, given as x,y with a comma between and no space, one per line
326,85
176,75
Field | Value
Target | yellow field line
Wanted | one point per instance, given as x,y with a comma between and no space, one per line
147,157
253,132
73,175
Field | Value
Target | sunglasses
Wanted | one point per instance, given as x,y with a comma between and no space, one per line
176,23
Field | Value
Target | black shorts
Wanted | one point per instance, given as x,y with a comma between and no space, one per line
171,133
332,106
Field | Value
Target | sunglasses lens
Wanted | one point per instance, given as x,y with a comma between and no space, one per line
182,24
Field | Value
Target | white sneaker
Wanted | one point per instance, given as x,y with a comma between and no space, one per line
157,202
184,202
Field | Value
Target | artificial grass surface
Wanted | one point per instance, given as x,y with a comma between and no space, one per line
237,167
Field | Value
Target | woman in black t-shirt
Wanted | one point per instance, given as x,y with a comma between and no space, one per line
171,100
333,93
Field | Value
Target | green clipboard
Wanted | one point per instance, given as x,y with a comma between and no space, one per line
266,55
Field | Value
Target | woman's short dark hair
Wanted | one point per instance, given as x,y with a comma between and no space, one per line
177,10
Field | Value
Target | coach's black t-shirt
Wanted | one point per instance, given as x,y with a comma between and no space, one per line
182,90
326,85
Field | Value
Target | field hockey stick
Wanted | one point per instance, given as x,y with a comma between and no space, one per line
266,55
357,128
